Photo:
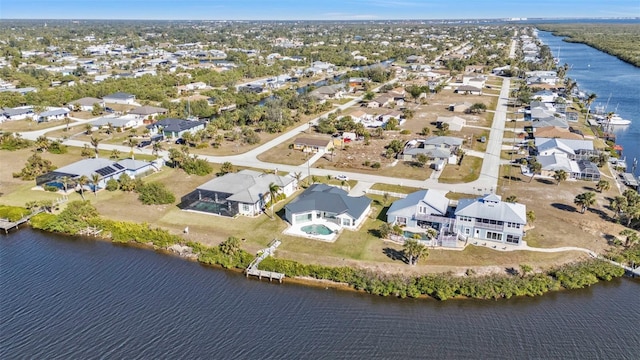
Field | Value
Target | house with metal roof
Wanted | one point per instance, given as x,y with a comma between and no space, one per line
324,203
124,122
120,98
422,210
148,112
569,147
19,113
106,169
243,193
490,218
174,128
53,114
86,103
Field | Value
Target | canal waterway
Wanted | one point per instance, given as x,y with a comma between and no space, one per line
614,82
75,298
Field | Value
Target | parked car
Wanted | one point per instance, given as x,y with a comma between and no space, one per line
180,141
342,177
144,143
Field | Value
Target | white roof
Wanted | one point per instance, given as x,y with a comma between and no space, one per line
493,208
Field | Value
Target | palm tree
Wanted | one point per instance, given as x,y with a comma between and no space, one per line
95,178
274,189
298,177
617,204
82,181
156,148
511,199
42,143
603,185
132,143
95,142
413,250
431,233
65,182
230,247
531,216
631,237
115,154
559,176
525,269
592,97
535,167
585,200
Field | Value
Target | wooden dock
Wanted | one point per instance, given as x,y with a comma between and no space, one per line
252,269
6,224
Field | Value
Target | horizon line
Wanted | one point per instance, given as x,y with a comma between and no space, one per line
342,20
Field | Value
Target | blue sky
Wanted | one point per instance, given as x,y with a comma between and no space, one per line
314,9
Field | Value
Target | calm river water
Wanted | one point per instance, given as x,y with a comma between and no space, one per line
612,80
73,298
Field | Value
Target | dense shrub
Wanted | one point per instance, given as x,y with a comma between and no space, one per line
35,166
12,213
112,185
155,194
197,166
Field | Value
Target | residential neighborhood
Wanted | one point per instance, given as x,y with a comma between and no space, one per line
448,136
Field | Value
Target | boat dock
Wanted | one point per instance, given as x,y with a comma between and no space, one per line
252,269
629,180
6,224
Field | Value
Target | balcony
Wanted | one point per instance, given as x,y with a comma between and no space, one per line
489,226
433,218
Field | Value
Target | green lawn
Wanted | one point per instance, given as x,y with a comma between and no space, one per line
468,171
394,188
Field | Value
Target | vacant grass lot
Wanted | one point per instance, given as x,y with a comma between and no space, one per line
281,154
30,125
558,221
467,171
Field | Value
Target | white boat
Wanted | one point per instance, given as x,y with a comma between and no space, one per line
614,119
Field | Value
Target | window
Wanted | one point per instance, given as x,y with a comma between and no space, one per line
346,222
513,225
304,218
401,220
494,236
422,209
246,208
513,239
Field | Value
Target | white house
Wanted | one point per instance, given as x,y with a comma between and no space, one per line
19,113
120,98
53,114
86,103
490,218
243,193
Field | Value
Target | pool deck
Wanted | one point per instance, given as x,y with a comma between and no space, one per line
296,230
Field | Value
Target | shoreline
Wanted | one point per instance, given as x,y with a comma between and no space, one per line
344,286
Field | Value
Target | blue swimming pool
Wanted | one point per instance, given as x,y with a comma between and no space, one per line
317,229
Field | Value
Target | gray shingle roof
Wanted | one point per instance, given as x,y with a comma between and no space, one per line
323,197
